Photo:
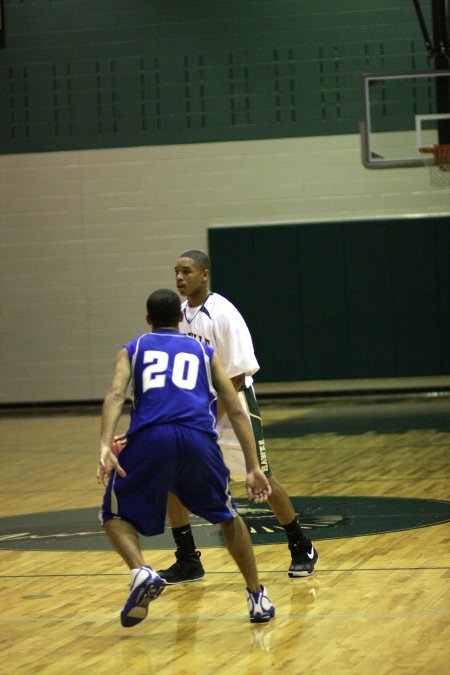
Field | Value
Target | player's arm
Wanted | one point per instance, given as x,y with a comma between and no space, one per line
234,347
258,487
111,411
237,383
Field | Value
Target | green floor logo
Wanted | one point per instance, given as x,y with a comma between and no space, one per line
321,517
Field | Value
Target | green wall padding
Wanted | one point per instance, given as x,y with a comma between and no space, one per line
340,300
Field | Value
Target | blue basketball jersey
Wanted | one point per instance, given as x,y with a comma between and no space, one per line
171,379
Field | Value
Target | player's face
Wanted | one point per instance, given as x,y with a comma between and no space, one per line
191,280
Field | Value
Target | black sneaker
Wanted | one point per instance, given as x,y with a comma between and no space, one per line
304,559
187,568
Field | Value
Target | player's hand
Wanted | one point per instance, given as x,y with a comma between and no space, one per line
118,444
258,488
107,463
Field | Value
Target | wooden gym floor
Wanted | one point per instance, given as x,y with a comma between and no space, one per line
378,603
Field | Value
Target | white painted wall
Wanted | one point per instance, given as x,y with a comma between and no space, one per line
88,235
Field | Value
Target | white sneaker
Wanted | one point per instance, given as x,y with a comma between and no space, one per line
147,586
259,606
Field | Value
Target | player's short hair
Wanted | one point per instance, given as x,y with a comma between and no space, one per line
198,257
163,308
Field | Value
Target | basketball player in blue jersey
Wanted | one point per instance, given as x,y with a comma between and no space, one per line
171,446
213,320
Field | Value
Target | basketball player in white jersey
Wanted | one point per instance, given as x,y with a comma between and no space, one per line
212,319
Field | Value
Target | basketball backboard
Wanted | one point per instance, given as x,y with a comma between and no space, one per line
402,112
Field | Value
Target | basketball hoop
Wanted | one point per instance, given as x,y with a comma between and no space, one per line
437,159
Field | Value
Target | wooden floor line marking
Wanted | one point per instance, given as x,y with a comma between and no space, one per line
261,572
310,616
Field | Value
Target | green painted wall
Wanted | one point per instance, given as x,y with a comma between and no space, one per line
341,300
82,74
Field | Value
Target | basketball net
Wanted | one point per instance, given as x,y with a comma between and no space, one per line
437,159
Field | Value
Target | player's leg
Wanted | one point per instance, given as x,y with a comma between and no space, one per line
239,545
135,504
280,502
125,541
146,584
187,566
203,485
303,554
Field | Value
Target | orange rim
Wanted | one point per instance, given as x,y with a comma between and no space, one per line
435,149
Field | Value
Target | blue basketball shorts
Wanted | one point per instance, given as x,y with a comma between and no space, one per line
168,458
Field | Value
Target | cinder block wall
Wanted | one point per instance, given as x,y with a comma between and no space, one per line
87,235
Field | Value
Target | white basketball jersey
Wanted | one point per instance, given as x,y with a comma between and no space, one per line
218,323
